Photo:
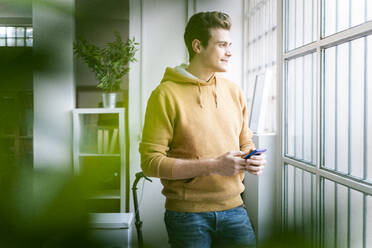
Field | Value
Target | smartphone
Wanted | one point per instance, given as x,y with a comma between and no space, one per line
255,152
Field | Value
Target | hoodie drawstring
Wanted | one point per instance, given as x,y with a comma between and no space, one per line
215,93
200,99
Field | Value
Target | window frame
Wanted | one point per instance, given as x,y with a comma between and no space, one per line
283,56
24,38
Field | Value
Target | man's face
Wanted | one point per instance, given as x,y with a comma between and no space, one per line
217,54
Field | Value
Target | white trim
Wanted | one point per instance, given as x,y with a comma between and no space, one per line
346,35
135,108
280,96
332,40
191,8
298,52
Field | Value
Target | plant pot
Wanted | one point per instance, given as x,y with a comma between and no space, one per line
109,99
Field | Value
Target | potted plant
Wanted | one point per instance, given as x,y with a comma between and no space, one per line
110,64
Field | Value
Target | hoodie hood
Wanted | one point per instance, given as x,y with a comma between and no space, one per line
179,74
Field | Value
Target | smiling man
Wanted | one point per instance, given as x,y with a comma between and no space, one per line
194,137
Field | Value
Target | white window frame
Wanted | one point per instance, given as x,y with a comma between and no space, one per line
282,56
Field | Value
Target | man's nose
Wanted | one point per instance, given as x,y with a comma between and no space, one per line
228,52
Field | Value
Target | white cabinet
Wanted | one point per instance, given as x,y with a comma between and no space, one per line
99,157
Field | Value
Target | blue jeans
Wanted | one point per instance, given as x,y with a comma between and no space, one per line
229,228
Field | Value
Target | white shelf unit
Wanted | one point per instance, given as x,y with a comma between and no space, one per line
86,125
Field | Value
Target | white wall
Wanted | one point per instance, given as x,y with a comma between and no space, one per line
13,12
159,26
54,86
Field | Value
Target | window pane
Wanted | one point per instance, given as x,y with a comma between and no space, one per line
369,221
357,12
308,21
347,107
307,204
341,215
11,42
298,199
2,32
290,198
330,17
301,23
299,107
290,108
343,14
300,114
329,214
329,104
262,58
314,118
2,42
357,103
20,42
29,32
369,109
29,42
342,122
356,218
10,32
20,32
308,115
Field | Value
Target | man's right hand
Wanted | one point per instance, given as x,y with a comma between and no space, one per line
229,164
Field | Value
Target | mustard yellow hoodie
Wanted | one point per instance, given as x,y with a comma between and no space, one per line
190,118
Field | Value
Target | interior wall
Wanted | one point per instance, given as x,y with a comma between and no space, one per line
10,9
159,26
54,84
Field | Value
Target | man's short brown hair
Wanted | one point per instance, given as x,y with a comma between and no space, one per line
199,27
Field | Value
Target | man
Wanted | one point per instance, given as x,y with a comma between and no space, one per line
194,137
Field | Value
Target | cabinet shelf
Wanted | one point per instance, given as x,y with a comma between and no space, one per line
96,131
106,194
99,155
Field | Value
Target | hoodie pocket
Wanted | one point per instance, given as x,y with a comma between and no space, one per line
213,188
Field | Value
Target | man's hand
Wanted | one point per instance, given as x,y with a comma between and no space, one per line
255,164
230,164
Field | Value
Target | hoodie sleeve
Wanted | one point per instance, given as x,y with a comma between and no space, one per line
157,134
245,138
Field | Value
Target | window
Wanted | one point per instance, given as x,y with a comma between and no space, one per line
339,15
347,108
327,120
300,22
15,36
301,108
262,57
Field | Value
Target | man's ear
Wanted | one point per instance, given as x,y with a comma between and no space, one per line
196,46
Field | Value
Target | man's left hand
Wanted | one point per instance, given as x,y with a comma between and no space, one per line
255,164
